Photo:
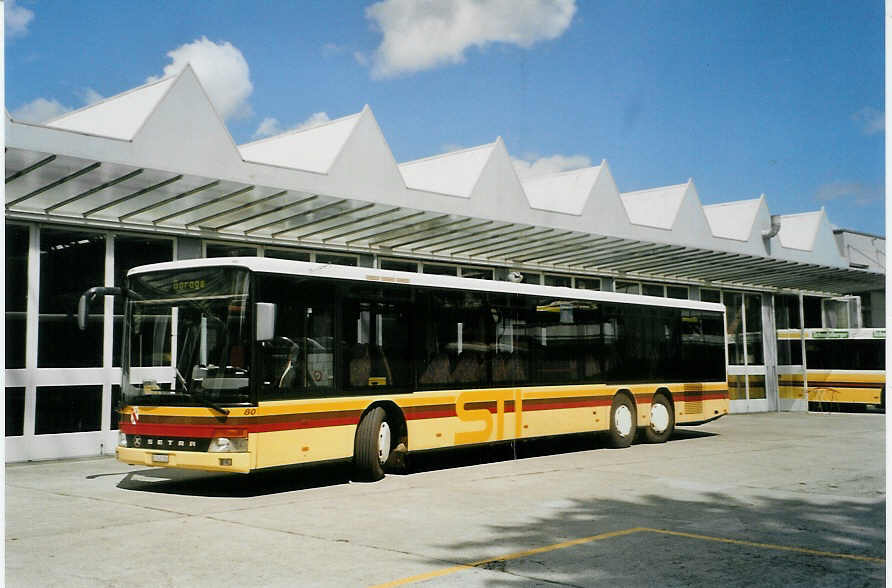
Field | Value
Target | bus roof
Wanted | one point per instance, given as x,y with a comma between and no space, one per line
372,275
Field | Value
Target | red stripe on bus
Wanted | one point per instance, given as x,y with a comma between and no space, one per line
558,403
200,427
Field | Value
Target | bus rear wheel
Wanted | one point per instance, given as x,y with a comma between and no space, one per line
662,420
622,422
372,447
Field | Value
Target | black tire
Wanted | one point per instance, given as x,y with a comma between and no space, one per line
368,465
651,434
622,432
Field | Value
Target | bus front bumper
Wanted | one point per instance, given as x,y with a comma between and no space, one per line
191,460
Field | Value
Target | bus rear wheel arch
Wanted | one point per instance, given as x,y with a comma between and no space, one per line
623,421
662,419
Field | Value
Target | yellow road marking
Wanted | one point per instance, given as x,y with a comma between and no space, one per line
509,556
768,546
592,538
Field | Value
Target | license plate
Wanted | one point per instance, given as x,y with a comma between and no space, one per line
158,458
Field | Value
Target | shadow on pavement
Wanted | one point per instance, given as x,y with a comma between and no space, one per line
222,485
689,552
441,459
304,477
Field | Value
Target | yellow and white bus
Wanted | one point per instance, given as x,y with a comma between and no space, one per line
239,364
844,368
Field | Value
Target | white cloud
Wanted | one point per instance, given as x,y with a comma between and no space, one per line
854,192
871,120
90,96
40,110
424,35
315,119
16,18
538,166
223,72
270,126
361,58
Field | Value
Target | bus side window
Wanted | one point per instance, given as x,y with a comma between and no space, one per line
375,340
298,362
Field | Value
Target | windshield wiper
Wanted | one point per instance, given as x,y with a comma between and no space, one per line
196,397
209,404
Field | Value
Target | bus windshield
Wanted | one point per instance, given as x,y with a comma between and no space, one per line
187,338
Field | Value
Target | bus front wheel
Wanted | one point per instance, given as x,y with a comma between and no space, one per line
374,442
622,422
662,420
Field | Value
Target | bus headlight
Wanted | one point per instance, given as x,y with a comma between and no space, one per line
122,439
228,445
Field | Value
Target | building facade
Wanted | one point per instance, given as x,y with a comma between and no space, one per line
153,175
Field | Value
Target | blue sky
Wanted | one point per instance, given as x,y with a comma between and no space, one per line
781,98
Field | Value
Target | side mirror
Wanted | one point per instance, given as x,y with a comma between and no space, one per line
266,320
83,304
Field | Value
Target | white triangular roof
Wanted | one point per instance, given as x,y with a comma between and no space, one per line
314,149
798,231
733,220
565,192
656,207
119,117
455,173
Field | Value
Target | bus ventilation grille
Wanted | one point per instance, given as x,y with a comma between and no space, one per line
693,403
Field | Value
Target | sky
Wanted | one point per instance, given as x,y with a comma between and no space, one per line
747,98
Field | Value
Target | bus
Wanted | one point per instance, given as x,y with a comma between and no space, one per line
845,369
240,364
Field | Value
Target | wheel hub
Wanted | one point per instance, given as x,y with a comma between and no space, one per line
383,442
659,417
622,420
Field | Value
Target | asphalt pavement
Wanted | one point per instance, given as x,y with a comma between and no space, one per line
789,499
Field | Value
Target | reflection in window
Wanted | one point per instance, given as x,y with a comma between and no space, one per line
287,254
299,361
68,409
16,294
846,354
564,339
588,283
132,251
756,387
563,281
229,250
70,263
786,311
478,273
335,259
440,270
627,287
734,316
15,411
754,329
737,387
707,295
398,265
786,316
652,289
116,405
375,339
455,330
811,309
